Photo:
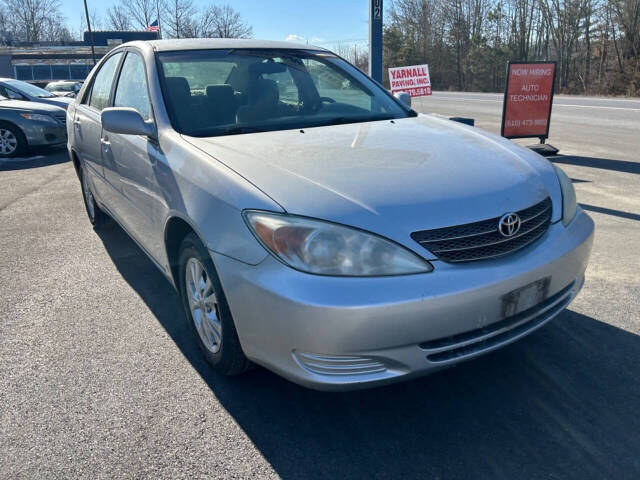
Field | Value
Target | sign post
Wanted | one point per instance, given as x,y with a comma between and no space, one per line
413,79
375,40
528,98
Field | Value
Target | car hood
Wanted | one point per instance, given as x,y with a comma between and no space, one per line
62,102
35,107
61,93
392,178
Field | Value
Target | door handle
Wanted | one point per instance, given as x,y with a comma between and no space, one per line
105,144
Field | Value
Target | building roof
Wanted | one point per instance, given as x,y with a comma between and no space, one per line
223,43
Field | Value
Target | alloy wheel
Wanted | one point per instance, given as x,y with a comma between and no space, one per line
8,142
203,305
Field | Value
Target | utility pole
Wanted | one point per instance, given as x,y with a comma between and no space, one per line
93,50
375,39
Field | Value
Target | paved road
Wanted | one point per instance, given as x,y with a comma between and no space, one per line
597,127
99,377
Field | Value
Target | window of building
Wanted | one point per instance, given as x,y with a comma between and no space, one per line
42,72
23,72
60,72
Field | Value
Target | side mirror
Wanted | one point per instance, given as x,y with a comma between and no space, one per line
404,97
126,121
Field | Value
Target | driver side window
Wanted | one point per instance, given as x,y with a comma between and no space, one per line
132,86
8,93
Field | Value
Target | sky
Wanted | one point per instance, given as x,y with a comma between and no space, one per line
315,21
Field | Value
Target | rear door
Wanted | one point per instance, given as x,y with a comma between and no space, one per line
87,127
134,158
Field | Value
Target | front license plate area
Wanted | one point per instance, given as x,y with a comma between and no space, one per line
525,297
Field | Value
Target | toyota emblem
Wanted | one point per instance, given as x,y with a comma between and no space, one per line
509,224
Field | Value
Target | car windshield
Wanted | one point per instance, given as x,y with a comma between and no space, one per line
60,87
224,92
28,89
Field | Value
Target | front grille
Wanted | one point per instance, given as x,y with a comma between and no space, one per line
480,340
482,240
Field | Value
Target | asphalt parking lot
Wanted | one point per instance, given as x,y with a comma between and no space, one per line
100,378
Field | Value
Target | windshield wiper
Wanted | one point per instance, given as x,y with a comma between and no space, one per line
240,130
343,120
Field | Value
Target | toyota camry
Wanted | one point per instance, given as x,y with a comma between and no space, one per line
315,224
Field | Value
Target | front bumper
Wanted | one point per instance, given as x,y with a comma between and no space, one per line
39,133
333,333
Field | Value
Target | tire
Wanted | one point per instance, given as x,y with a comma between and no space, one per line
97,217
215,332
13,143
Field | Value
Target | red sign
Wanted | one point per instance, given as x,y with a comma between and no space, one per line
413,79
527,100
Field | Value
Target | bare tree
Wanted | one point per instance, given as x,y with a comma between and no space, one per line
33,19
141,13
118,19
94,18
223,22
564,18
179,18
596,43
7,26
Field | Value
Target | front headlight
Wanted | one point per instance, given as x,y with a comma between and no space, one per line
38,118
324,248
569,203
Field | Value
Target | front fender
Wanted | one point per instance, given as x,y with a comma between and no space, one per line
210,197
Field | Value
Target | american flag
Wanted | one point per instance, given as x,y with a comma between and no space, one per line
153,27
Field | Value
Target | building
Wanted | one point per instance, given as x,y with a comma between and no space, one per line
47,61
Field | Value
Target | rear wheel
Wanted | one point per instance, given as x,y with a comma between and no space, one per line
12,141
96,216
207,310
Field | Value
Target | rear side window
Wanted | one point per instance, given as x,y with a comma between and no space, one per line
102,83
132,86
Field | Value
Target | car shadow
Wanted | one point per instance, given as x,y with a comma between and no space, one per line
602,163
611,211
562,403
35,158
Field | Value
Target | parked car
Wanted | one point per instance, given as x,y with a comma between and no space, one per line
334,235
19,90
26,124
64,88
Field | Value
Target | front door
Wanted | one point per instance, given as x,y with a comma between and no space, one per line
134,159
87,130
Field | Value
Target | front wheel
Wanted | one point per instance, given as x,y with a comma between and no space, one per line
12,141
207,310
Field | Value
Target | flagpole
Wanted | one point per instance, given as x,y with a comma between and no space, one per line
158,16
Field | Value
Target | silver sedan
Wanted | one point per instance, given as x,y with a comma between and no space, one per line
316,225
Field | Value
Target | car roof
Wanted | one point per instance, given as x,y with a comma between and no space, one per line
224,43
